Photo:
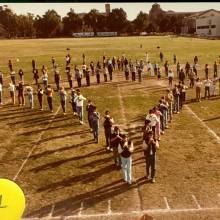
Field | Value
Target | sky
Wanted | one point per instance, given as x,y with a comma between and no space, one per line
132,9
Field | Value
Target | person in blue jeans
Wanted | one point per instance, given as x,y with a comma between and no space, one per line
125,150
30,95
63,96
150,148
95,124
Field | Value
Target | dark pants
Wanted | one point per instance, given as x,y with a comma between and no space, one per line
110,76
107,136
127,75
13,79
207,90
133,76
71,84
40,99
63,104
90,121
150,164
50,103
191,83
105,77
88,80
95,128
98,78
116,156
57,84
36,81
79,82
73,106
21,98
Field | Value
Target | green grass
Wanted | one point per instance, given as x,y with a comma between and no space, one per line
67,167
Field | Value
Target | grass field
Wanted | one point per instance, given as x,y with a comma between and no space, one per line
64,173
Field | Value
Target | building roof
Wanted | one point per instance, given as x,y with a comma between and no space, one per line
200,13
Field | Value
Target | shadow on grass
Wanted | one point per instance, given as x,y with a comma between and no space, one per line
70,205
212,119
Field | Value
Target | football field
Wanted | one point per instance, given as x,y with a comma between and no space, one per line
66,175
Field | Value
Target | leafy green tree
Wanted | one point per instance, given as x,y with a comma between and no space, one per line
141,22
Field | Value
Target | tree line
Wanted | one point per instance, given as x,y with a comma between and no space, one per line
52,25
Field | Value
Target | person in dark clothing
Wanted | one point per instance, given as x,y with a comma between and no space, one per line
110,71
72,101
10,65
36,76
57,78
89,109
1,78
196,59
92,67
206,70
113,62
53,61
33,63
187,68
40,93
108,122
20,89
69,78
21,75
49,92
97,71
215,67
87,73
116,139
150,147
78,76
166,67
95,124
161,57
182,76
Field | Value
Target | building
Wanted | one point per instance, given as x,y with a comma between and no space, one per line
88,28
208,23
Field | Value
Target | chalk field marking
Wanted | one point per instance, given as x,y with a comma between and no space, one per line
34,146
203,124
80,209
166,203
149,211
196,202
109,207
51,212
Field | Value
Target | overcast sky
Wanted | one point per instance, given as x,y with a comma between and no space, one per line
132,9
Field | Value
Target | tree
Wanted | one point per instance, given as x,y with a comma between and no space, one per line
141,22
92,18
9,21
49,25
117,20
71,23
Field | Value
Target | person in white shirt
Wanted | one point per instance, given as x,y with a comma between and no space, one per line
1,93
125,152
12,92
45,79
79,99
170,77
153,120
207,84
29,91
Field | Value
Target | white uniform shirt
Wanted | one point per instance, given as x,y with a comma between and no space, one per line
79,100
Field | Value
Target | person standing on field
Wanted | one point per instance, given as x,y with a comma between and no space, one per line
182,76
63,97
95,124
150,147
133,72
207,83
20,89
125,150
206,70
36,76
215,67
21,75
214,82
72,101
45,79
57,78
97,71
29,91
69,78
170,78
89,109
174,59
79,105
78,76
166,68
1,77
49,92
187,68
108,122
40,93
87,74
126,72
13,76
33,63
198,85
12,92
10,66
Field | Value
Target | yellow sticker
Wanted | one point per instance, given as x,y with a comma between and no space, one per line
12,200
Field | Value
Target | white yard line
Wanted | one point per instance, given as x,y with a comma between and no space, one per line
133,213
196,202
34,146
166,203
203,124
80,209
109,207
51,212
